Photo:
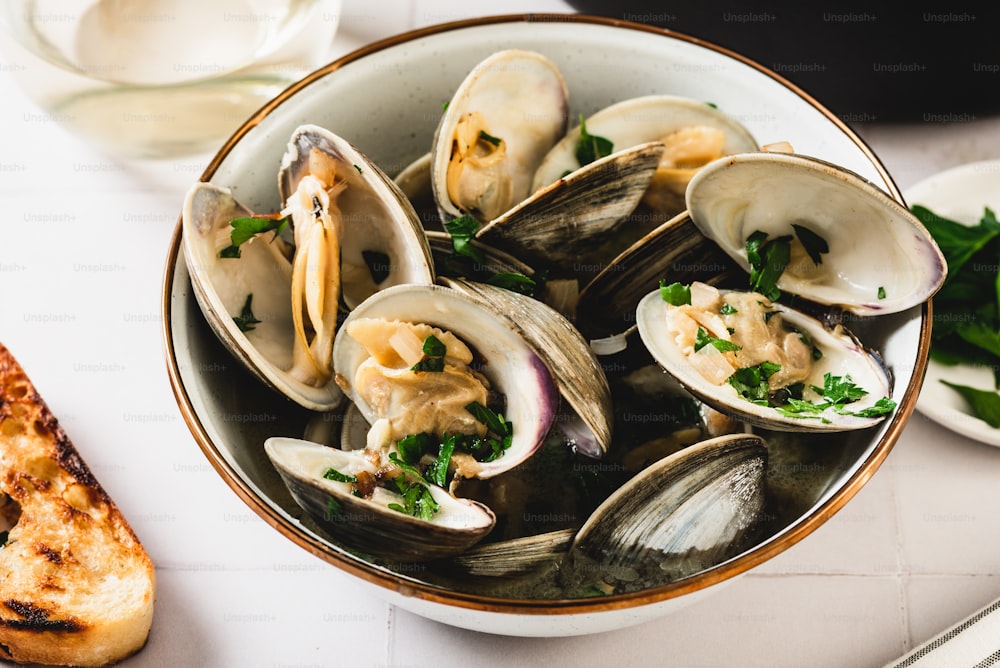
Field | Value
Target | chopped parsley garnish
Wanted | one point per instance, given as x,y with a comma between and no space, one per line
462,230
437,472
413,484
417,499
837,392
245,229
488,138
513,281
703,339
881,292
494,421
728,309
675,294
417,502
412,448
334,474
591,147
358,167
433,359
768,259
814,244
246,320
751,382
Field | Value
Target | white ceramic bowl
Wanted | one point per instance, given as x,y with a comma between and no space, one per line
387,98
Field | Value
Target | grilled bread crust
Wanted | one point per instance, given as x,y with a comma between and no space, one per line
76,585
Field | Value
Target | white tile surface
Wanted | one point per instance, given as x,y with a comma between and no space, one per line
917,549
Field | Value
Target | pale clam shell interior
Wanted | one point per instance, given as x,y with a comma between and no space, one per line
221,286
843,355
513,367
876,245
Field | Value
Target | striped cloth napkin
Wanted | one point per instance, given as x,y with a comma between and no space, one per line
973,642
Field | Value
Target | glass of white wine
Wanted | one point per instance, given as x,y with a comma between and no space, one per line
161,78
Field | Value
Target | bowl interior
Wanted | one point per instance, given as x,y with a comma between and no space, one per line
387,101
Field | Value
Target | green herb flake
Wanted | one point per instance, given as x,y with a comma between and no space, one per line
247,228
837,392
728,309
703,339
417,502
489,139
437,472
358,167
246,320
408,469
335,475
462,230
985,404
768,259
434,352
751,382
814,244
881,292
494,421
591,147
412,447
675,294
513,281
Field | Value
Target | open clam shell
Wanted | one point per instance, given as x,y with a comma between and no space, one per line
880,259
222,287
691,131
370,525
515,103
842,356
382,240
676,249
511,364
574,367
563,221
694,506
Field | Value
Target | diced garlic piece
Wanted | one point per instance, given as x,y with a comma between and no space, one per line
684,328
375,334
712,323
712,365
705,297
407,345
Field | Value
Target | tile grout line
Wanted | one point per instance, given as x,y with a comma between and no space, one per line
902,579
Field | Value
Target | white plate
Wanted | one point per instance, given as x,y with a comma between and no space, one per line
960,194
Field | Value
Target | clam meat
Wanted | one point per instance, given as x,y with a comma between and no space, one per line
271,285
765,362
376,504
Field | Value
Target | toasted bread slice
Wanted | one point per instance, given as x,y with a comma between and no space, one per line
76,585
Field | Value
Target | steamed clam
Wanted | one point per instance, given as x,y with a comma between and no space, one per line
487,144
688,511
449,391
405,518
690,134
820,232
387,365
271,285
765,362
850,244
